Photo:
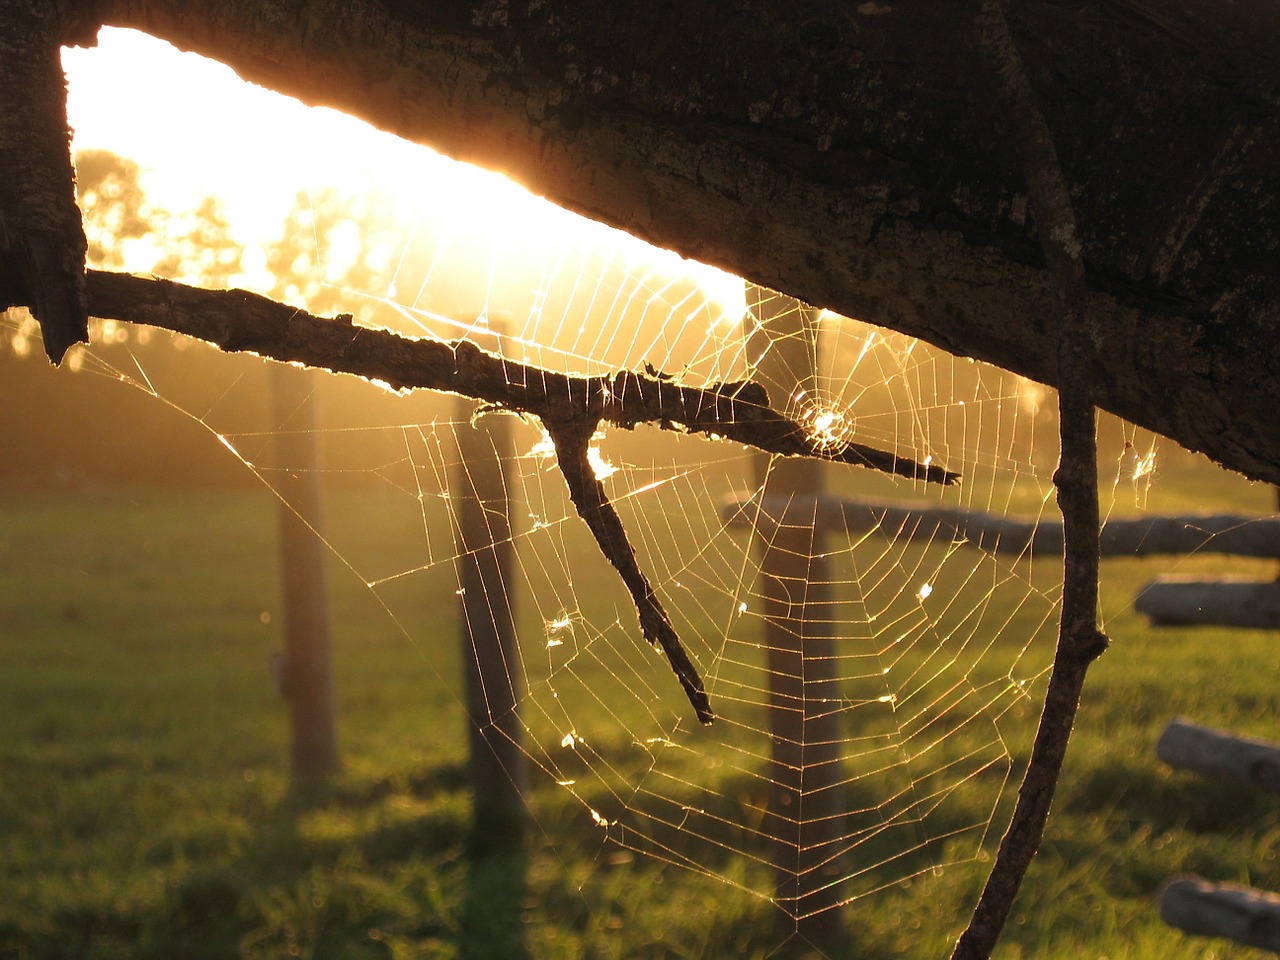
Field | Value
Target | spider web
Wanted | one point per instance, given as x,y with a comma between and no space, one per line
874,710
906,749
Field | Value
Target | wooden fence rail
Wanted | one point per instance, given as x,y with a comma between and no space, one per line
1220,755
1226,910
1195,905
1177,601
1139,537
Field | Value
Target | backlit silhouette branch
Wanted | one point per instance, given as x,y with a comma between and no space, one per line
570,407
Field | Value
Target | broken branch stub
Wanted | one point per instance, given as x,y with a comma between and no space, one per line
572,440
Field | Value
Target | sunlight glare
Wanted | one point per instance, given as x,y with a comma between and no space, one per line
205,132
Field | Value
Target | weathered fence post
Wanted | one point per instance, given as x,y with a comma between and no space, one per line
805,806
486,557
305,676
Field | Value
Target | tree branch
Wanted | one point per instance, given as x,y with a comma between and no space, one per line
1203,533
1079,640
236,320
842,156
570,407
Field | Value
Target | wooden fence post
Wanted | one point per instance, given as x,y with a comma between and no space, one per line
305,676
486,556
805,804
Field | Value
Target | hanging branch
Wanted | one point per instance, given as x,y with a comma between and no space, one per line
570,407
236,320
1079,640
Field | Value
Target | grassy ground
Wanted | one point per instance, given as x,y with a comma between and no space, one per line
145,809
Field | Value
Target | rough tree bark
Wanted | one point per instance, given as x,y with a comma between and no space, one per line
42,244
842,152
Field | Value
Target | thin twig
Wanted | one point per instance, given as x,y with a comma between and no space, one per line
236,320
572,441
1079,640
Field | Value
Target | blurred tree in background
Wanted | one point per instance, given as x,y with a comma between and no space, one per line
98,422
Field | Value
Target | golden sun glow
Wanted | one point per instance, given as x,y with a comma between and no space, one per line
198,130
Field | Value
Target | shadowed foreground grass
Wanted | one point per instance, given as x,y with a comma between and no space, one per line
145,810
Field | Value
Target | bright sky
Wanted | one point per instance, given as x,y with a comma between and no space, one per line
199,130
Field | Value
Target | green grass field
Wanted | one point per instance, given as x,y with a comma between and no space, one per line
146,810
